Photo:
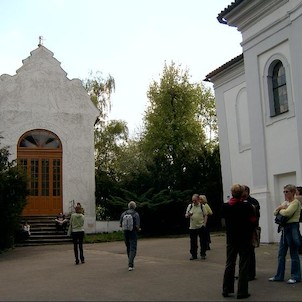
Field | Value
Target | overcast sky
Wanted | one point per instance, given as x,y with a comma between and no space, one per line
129,39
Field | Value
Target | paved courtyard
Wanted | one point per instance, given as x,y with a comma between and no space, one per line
163,272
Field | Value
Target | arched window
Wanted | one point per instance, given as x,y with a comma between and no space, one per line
40,139
279,89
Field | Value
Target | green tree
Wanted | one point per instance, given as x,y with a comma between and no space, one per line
111,139
13,194
207,114
107,136
174,136
132,166
100,90
174,157
155,210
109,145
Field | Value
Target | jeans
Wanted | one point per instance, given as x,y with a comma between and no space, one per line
290,238
194,234
130,238
77,239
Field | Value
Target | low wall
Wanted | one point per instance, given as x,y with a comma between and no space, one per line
107,226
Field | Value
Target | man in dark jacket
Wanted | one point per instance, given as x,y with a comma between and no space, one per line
254,202
130,235
239,221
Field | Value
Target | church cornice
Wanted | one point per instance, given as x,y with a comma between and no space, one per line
245,13
227,66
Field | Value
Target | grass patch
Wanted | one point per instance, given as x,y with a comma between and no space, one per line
104,237
119,236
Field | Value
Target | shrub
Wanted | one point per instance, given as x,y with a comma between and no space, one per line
13,194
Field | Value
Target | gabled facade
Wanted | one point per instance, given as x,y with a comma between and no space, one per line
259,103
47,121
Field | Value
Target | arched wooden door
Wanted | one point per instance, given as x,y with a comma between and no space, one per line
39,152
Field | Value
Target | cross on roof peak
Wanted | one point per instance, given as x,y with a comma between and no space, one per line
41,39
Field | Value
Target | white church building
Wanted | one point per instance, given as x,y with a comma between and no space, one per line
259,103
47,121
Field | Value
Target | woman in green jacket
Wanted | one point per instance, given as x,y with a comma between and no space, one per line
76,231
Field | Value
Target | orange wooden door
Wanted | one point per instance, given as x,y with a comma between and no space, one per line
40,155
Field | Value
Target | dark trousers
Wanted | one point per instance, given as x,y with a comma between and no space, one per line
77,239
243,250
252,264
194,235
130,238
208,236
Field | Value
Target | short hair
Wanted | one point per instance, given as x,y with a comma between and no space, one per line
291,188
78,209
203,198
195,196
131,205
237,190
247,189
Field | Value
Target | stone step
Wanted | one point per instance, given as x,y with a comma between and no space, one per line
43,231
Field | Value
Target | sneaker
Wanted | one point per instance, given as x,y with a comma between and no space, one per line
203,257
193,258
291,281
130,268
273,279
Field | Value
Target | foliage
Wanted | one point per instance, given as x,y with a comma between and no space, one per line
175,156
133,168
207,114
100,90
161,212
174,137
13,194
109,143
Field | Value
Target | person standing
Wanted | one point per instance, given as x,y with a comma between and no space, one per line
254,202
130,229
82,209
76,231
198,221
204,202
299,197
290,236
239,221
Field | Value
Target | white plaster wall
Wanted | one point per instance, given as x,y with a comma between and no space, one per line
274,157
279,14
240,160
40,96
107,226
236,162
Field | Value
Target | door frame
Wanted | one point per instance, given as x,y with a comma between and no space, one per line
39,151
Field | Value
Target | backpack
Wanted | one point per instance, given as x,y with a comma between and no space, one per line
201,206
128,222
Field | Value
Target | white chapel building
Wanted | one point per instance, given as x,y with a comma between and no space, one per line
47,121
259,103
